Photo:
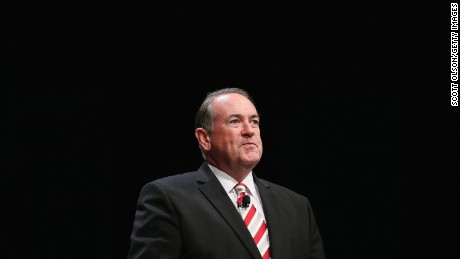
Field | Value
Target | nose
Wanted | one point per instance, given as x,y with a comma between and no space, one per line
247,129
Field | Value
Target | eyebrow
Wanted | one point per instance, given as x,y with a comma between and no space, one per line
238,115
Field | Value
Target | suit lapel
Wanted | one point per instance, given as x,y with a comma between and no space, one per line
273,217
210,186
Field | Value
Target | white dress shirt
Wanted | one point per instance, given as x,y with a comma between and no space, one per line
229,183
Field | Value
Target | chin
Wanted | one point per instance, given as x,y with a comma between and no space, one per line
252,159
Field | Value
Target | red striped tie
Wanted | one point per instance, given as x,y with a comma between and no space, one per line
255,222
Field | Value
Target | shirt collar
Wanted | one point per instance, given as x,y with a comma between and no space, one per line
229,183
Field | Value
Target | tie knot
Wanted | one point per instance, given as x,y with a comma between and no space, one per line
240,188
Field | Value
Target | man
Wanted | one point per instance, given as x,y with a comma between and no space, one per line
223,210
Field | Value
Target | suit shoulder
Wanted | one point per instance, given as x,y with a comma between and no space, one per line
175,180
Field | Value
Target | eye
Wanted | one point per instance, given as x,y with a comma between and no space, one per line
255,123
234,123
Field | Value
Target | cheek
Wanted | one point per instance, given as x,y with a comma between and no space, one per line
226,141
259,138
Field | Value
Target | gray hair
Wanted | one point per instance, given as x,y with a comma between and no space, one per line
205,115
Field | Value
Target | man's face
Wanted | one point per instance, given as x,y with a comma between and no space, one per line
235,140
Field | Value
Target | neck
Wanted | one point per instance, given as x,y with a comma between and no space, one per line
239,174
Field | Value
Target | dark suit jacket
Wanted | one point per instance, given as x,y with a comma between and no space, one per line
190,216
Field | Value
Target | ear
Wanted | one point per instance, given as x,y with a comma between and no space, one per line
203,138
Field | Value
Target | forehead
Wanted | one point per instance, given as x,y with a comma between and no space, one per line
229,104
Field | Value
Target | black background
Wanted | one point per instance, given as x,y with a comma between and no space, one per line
354,98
